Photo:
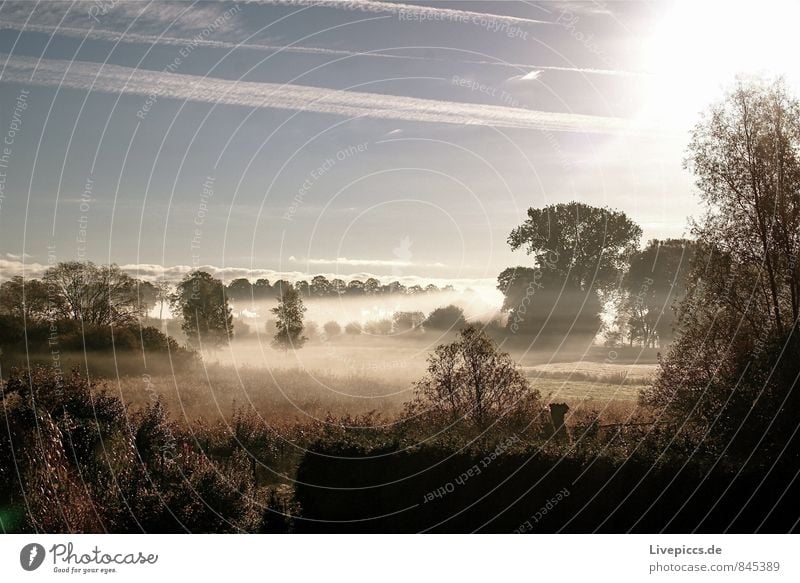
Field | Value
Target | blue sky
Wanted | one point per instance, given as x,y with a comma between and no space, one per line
346,136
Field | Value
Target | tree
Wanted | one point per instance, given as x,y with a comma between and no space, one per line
303,288
470,379
381,327
338,287
147,294
541,305
394,287
332,328
320,286
655,281
587,246
103,295
261,289
240,289
733,370
448,318
24,299
355,288
162,296
407,321
580,252
281,286
201,301
372,286
289,324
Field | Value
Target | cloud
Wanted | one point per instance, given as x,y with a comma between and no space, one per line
15,257
369,262
87,76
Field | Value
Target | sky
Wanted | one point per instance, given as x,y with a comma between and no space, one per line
282,138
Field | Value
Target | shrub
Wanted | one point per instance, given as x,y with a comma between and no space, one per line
448,318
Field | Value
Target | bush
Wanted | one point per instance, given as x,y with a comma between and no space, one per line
353,329
448,318
332,328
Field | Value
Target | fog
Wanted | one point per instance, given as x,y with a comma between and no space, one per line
480,304
397,357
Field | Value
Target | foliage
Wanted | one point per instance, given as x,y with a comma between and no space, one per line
542,306
584,246
447,318
406,321
655,281
470,379
289,324
332,328
206,316
353,328
732,373
580,252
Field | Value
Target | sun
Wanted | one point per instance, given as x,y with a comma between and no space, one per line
699,48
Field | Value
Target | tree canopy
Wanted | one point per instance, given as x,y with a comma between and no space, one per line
206,317
734,368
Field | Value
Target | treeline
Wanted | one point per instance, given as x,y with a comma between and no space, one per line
321,287
82,307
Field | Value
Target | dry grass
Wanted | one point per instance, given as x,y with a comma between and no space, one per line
212,393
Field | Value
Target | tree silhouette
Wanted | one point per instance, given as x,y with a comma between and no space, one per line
654,283
206,316
289,320
580,252
447,318
733,370
470,379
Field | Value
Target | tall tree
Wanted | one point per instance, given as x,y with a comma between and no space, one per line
162,297
579,252
207,320
103,295
746,158
654,283
289,320
734,367
585,246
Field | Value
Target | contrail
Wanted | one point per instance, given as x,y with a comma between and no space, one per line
156,85
413,11
134,38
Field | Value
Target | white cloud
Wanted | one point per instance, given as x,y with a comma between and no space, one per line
369,262
15,257
87,76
